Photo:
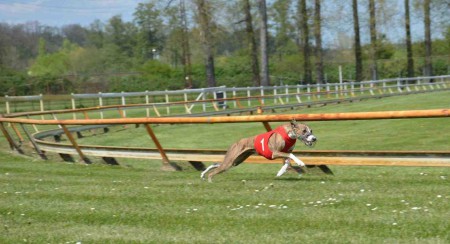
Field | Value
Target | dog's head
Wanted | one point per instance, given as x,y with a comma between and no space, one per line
303,133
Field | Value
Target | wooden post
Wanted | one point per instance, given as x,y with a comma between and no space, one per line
156,111
36,147
13,126
34,126
54,117
267,126
8,137
166,163
75,144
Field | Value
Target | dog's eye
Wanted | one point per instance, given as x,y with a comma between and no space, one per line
304,131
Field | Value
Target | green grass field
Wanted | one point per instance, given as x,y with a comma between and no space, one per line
55,202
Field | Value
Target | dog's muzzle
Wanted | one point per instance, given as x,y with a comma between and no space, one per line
309,140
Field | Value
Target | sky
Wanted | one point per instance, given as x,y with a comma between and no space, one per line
63,12
57,13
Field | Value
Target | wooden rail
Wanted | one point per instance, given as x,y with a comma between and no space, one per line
431,113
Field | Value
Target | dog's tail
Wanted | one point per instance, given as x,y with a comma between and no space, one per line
212,166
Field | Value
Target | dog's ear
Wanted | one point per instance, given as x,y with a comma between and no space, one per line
294,123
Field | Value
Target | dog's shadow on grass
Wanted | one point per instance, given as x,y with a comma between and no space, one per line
306,178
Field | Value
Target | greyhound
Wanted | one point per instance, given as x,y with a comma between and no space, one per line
277,143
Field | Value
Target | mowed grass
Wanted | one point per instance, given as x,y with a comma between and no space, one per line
55,202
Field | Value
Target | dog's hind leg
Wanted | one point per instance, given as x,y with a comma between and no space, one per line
284,167
230,161
213,166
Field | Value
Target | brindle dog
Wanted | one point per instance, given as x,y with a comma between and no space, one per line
242,149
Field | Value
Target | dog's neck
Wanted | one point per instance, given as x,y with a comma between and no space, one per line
292,134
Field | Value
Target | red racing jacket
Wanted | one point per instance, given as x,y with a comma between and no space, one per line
261,143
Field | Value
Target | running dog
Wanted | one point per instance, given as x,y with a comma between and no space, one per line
274,144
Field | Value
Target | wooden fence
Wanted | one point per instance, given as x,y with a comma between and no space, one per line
199,100
108,153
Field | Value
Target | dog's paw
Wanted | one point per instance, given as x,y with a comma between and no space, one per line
297,161
283,170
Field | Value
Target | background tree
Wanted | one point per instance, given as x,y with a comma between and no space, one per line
428,69
357,44
280,15
116,54
263,39
96,34
187,65
122,35
409,51
204,20
304,35
373,40
150,36
318,38
75,33
251,40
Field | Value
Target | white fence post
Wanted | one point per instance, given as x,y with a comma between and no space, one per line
186,108
124,103
308,91
287,93
248,97
167,101
318,90
336,90
371,88
147,101
408,88
204,98
41,104
100,103
234,95
275,97
298,96
8,111
224,106
72,99
262,95
327,88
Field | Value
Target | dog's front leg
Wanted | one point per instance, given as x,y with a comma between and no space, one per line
288,155
296,160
